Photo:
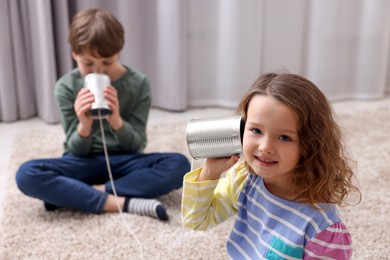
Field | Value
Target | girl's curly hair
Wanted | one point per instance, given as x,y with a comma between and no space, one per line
324,173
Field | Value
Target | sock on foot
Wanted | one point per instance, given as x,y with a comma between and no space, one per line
146,207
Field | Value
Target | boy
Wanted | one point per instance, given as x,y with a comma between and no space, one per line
80,179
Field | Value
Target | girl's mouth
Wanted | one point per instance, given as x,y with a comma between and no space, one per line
265,162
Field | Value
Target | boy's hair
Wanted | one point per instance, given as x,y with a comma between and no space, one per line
323,174
97,32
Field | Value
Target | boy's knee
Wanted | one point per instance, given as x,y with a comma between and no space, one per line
23,176
182,162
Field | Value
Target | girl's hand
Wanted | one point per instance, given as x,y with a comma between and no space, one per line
115,119
214,167
82,105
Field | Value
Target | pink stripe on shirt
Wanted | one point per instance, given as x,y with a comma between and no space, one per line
334,239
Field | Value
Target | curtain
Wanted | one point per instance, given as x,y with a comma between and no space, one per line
343,46
200,52
33,53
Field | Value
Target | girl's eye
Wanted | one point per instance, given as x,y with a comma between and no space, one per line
88,64
107,63
285,138
256,131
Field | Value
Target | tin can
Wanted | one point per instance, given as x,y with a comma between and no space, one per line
96,83
215,137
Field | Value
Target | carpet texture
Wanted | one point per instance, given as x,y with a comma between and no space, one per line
30,232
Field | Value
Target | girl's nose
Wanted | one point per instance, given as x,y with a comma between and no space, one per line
266,146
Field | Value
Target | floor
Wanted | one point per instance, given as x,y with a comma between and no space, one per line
8,130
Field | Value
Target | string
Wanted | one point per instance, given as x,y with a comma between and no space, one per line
192,164
114,189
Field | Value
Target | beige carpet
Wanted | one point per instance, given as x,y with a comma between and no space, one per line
29,232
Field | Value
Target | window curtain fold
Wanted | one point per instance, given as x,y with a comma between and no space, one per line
349,48
200,52
15,69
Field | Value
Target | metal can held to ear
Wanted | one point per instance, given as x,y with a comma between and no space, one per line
216,137
96,83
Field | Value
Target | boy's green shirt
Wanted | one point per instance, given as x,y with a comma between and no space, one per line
134,100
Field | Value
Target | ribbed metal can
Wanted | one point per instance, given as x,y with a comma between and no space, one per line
215,137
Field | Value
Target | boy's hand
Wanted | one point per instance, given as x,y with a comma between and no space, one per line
82,105
214,167
115,119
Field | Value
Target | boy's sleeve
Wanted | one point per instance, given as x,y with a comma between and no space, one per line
132,136
65,96
208,203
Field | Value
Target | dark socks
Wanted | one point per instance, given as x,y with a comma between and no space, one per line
50,207
145,207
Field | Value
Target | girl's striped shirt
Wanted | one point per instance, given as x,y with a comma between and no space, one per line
266,226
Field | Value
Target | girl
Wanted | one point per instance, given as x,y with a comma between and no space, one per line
285,190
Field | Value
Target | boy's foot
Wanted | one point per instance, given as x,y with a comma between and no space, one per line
146,207
50,207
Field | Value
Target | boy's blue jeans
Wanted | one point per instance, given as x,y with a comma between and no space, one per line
66,181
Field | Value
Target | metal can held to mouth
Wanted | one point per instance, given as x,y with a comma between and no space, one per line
215,137
96,83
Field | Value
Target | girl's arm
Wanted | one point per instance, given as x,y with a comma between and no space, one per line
207,203
332,243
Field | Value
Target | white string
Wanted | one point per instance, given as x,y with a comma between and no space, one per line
192,164
113,187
